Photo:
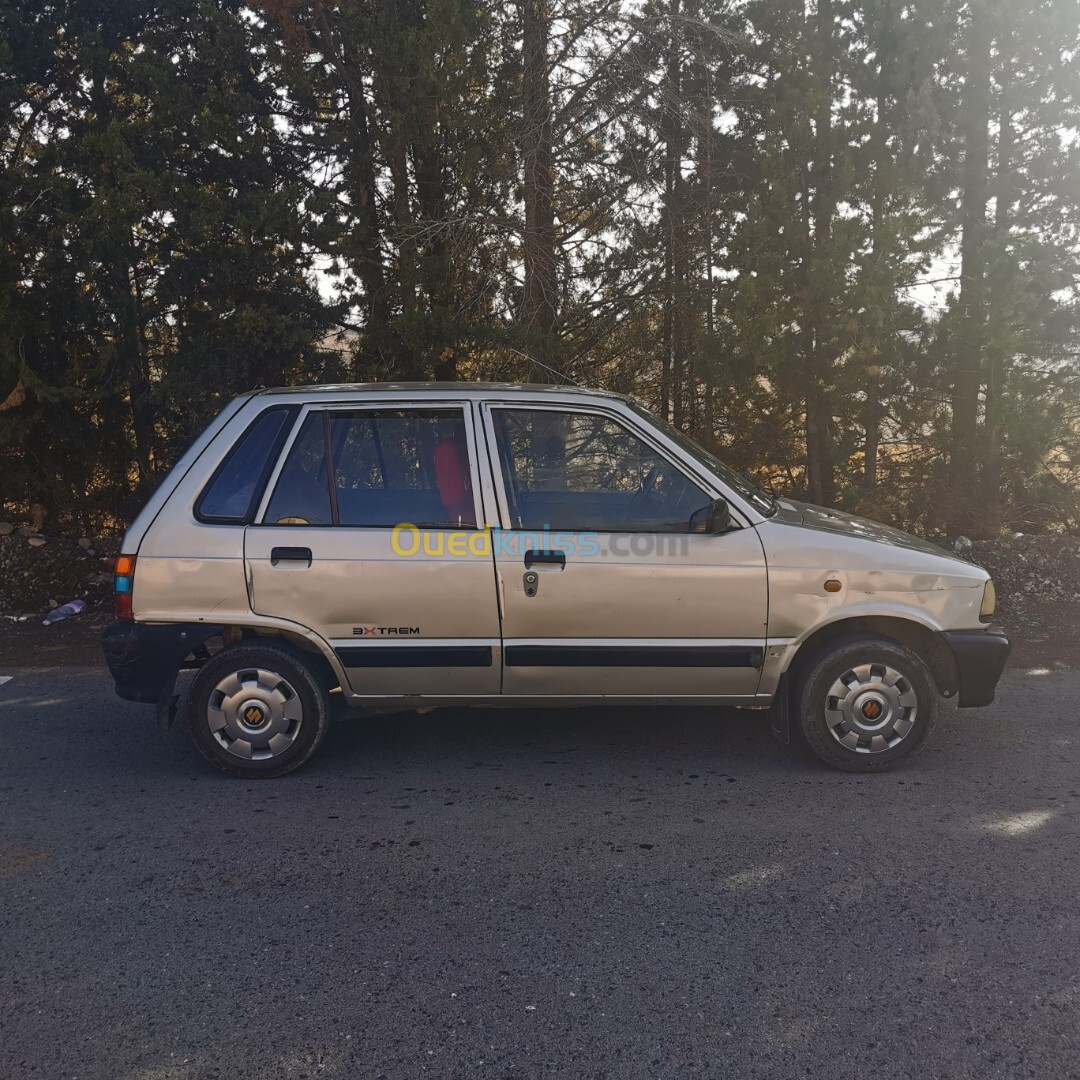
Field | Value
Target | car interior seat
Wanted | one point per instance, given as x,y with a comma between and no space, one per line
452,477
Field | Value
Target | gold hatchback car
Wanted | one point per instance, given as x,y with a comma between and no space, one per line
418,545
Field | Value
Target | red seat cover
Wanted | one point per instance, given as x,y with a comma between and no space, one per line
452,476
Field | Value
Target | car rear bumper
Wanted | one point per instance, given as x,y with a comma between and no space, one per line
144,658
980,659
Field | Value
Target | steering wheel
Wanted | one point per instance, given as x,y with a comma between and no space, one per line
649,482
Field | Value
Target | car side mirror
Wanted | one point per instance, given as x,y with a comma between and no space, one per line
718,519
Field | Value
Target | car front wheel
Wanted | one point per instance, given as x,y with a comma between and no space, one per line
866,704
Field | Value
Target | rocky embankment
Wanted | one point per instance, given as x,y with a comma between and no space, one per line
39,571
1031,572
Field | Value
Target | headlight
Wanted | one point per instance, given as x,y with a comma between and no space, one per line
989,602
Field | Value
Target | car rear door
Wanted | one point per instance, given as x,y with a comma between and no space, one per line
368,535
608,583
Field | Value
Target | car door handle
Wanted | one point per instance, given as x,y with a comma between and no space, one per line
556,558
290,554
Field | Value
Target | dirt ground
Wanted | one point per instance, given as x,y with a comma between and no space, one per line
75,642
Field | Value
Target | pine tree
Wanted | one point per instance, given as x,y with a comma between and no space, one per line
159,263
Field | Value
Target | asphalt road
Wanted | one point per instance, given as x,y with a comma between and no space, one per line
613,894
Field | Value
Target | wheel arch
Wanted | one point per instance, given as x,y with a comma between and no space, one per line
281,635
199,637
925,642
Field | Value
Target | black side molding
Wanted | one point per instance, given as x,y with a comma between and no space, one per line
725,656
980,660
410,656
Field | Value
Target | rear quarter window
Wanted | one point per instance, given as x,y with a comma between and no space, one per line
237,485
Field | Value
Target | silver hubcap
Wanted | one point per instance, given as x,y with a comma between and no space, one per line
254,714
870,708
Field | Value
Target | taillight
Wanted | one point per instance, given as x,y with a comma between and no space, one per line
122,585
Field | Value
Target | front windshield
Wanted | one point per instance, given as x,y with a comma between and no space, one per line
757,498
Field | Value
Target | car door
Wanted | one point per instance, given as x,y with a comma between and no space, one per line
608,583
368,537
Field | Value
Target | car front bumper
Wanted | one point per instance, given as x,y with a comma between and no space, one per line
144,657
980,659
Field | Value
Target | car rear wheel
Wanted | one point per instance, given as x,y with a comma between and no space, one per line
257,710
866,704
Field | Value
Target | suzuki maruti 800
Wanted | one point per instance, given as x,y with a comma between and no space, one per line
416,545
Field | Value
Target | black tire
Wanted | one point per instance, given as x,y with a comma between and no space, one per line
277,679
842,731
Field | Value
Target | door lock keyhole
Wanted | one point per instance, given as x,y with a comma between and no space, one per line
531,581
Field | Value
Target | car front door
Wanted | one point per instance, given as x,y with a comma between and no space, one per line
368,536
608,582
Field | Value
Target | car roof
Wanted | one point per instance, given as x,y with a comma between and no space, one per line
439,389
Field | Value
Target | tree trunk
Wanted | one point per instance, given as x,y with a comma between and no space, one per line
962,513
820,471
990,480
710,297
680,345
364,249
119,285
670,134
819,461
397,161
432,200
879,140
366,245
872,440
129,344
539,312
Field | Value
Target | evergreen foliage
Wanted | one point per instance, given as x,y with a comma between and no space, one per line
838,242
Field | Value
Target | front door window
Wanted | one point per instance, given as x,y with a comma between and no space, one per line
581,471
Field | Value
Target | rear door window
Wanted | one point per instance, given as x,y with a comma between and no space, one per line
376,469
302,493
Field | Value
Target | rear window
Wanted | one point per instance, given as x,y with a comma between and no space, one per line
235,489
